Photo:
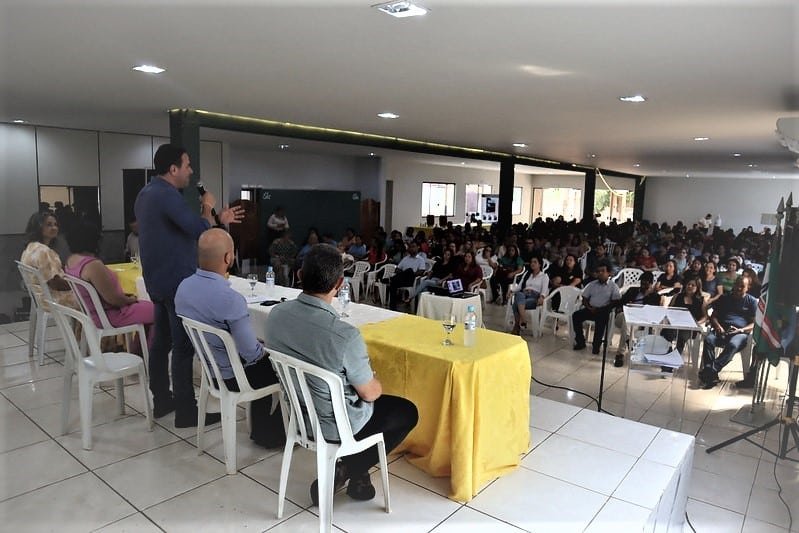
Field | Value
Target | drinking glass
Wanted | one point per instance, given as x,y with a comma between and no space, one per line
449,326
252,279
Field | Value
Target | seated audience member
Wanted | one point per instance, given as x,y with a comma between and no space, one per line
206,296
377,253
689,298
727,279
312,240
339,347
348,238
528,250
569,274
645,294
695,271
467,270
710,282
132,242
731,322
412,265
531,294
599,298
681,260
486,257
669,279
754,281
282,254
645,261
39,253
597,256
357,248
441,270
120,308
510,265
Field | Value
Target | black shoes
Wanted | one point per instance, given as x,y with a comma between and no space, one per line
339,480
579,346
189,419
595,349
746,383
162,408
361,488
709,378
619,362
272,440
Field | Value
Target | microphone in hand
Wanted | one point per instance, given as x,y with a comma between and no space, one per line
201,191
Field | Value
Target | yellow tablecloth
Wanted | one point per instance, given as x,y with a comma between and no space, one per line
474,410
127,273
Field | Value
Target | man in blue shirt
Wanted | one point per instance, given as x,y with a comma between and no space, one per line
732,320
599,298
168,233
206,296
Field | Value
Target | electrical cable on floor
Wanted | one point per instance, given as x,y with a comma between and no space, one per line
688,520
779,487
574,391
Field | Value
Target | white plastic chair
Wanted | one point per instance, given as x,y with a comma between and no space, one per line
485,284
569,297
371,277
89,300
382,288
213,384
37,323
545,265
583,260
97,367
294,375
357,279
627,277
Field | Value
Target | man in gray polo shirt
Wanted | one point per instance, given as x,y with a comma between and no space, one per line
310,329
599,298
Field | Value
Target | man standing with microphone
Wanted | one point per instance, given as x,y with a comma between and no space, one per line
168,233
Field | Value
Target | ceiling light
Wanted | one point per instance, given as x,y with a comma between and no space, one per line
737,154
637,98
538,70
387,114
401,9
592,156
149,69
283,146
519,145
636,165
463,163
701,138
687,175
371,154
19,121
751,165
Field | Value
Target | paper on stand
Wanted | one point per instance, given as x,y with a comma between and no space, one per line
672,359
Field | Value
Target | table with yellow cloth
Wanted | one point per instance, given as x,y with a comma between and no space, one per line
474,411
130,278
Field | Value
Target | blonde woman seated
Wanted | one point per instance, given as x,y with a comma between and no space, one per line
39,254
120,308
534,287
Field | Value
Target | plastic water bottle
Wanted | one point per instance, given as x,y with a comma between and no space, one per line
344,296
270,279
470,327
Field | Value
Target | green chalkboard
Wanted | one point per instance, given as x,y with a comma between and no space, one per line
327,211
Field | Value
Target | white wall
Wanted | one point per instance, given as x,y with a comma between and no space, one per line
18,187
290,170
740,202
33,156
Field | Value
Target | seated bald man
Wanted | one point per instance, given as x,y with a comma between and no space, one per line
206,296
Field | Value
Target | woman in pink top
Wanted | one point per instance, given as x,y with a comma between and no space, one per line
120,308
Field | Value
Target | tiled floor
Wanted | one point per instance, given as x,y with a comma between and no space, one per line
135,480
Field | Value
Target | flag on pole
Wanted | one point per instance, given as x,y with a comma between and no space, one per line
775,322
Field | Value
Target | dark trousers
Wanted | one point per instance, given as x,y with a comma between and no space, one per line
600,318
266,428
404,278
499,285
394,417
170,335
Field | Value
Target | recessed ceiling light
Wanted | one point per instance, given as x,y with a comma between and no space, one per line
636,165
751,165
401,9
773,177
687,175
149,69
371,154
701,138
388,114
519,145
19,121
737,154
592,156
636,98
538,70
463,163
283,146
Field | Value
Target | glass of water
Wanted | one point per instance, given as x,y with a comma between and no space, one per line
449,327
252,279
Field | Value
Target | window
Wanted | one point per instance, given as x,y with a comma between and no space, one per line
516,206
438,199
473,192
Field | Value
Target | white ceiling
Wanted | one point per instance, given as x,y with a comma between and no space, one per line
724,69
